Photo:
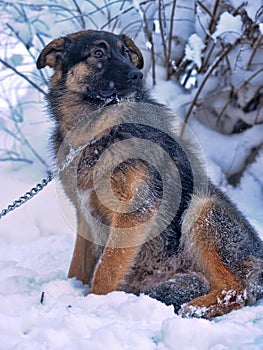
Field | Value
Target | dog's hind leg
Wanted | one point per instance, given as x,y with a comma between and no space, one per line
181,289
208,240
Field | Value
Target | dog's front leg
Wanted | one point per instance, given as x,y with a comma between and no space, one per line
130,225
119,253
114,264
86,254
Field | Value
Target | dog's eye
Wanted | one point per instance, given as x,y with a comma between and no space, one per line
98,53
126,52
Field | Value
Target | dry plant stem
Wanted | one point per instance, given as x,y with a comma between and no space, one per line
207,39
258,115
236,91
207,75
31,148
256,46
204,8
170,39
150,39
11,158
224,107
81,17
23,76
116,17
161,21
153,63
207,58
29,4
250,78
235,179
213,21
16,34
236,11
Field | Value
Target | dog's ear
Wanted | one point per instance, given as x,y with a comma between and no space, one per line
136,54
52,54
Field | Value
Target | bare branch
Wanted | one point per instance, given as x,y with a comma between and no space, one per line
204,8
235,179
170,38
206,76
149,36
255,47
161,21
22,76
82,21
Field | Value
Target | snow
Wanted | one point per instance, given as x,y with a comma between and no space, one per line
36,246
193,50
41,309
229,28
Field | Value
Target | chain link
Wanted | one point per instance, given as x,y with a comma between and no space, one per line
39,187
28,195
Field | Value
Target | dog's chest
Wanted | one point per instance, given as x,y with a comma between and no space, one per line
94,151
91,155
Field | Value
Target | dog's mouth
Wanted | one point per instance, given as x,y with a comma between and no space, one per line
110,97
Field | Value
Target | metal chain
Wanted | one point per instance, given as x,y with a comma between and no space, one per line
39,187
28,195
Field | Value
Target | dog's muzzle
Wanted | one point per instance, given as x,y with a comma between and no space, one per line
134,79
135,76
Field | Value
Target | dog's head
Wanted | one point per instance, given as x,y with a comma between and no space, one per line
96,64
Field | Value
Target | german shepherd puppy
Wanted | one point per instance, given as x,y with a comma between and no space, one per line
149,221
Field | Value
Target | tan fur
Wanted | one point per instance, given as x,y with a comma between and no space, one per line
122,247
75,81
178,239
198,233
115,262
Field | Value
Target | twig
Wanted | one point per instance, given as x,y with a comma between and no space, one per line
256,46
213,21
208,56
28,144
211,27
236,92
250,78
122,13
225,107
207,75
42,298
170,38
11,156
116,17
82,21
22,76
149,36
161,21
235,179
204,8
28,50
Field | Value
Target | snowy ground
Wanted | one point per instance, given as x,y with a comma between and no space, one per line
35,251
40,309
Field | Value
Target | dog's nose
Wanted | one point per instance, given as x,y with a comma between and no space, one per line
135,76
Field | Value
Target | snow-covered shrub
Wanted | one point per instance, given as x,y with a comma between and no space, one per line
210,49
222,66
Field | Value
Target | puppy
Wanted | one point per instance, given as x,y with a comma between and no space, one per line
149,221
